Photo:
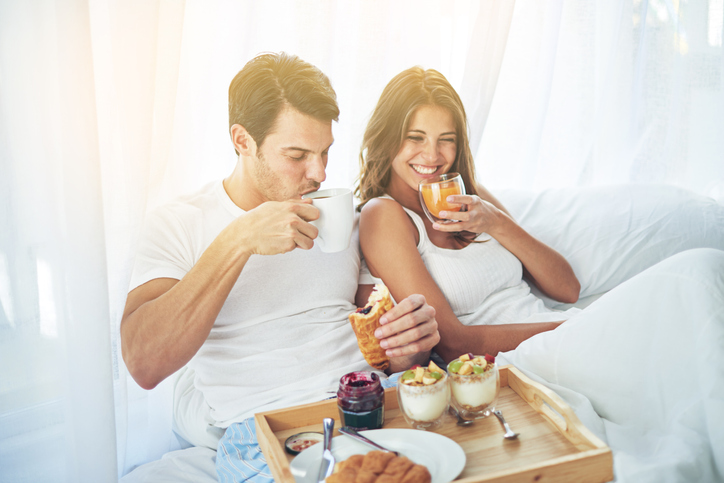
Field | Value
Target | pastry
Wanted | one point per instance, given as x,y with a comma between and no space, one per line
379,467
366,320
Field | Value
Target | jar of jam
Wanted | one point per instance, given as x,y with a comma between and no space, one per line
361,400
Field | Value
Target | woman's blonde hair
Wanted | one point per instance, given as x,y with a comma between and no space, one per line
404,94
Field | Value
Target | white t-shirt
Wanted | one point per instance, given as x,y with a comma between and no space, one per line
282,338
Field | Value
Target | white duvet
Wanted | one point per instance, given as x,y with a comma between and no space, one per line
643,365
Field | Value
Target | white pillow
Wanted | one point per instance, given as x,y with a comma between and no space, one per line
609,234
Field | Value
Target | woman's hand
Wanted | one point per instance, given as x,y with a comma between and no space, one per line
542,265
480,216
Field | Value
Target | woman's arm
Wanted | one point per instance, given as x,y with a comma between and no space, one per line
388,239
543,266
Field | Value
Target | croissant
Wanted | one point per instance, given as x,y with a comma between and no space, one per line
379,467
366,320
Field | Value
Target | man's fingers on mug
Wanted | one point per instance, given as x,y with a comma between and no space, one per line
307,229
303,242
306,210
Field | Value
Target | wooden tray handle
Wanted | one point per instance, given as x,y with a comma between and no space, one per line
554,409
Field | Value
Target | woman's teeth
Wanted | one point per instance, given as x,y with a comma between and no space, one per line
424,169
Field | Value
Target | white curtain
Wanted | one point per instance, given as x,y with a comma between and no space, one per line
56,383
109,108
607,92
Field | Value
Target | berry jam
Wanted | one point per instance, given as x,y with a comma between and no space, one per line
364,310
361,400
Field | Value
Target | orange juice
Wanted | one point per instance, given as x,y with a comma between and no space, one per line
435,196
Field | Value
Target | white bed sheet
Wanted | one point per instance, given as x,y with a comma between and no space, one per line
190,465
643,367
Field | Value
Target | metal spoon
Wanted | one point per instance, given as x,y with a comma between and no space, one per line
509,434
461,421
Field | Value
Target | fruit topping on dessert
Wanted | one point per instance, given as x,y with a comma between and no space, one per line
469,364
422,376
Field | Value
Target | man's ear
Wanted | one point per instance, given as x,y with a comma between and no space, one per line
242,140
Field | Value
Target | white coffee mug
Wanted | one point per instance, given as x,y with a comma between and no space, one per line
336,217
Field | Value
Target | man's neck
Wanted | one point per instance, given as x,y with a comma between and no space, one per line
241,190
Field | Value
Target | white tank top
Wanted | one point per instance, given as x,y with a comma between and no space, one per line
483,282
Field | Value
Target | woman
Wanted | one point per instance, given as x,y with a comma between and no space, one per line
642,367
419,130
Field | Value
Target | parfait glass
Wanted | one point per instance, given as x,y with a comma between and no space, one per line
423,406
434,192
474,395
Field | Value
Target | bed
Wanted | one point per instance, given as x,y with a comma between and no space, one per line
641,252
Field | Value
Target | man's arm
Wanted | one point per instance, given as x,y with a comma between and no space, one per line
166,321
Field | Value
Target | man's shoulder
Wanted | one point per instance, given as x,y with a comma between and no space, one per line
190,204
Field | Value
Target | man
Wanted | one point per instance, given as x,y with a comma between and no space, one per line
228,282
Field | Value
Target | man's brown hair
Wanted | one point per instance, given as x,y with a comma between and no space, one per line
268,83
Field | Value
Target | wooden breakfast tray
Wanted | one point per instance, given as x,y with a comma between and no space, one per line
553,444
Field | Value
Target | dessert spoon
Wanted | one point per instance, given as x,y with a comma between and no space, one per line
509,433
461,420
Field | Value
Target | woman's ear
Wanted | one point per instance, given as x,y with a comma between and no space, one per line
242,140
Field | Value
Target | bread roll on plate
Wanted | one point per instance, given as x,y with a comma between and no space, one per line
379,467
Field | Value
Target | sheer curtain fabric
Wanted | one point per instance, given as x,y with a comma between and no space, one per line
109,108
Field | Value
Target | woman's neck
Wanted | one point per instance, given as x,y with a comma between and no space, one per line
405,195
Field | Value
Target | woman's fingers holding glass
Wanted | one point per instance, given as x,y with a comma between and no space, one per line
477,216
457,218
461,199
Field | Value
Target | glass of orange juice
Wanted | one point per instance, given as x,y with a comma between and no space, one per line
434,193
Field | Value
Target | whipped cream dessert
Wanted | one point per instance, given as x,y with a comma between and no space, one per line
474,383
424,395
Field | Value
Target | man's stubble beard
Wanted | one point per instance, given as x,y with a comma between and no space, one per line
271,185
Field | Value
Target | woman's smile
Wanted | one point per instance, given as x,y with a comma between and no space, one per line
425,170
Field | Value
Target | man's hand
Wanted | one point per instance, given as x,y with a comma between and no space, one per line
166,321
276,227
408,332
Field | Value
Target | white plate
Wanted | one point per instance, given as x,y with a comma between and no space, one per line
443,457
